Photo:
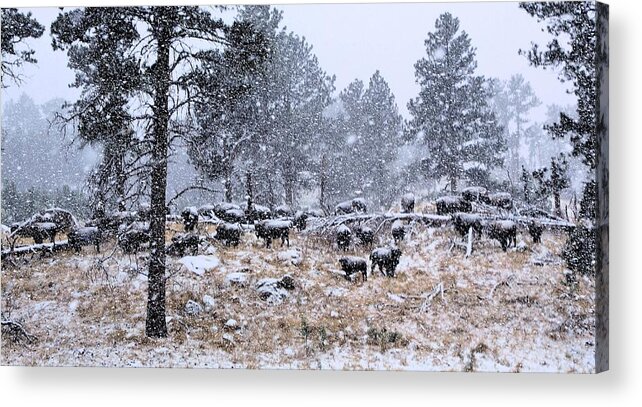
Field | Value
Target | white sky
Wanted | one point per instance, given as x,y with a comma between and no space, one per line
353,40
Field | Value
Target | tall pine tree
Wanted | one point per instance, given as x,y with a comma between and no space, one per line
451,114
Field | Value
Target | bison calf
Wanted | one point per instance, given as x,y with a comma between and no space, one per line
182,242
364,234
408,203
300,220
398,231
351,265
387,258
535,229
190,218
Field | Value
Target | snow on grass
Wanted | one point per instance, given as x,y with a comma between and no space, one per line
497,311
200,264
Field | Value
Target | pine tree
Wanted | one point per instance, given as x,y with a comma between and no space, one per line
451,114
513,101
160,41
16,27
373,128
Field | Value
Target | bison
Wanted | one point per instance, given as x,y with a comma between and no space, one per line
300,220
359,205
344,237
229,233
190,218
408,203
535,229
274,229
387,258
452,204
84,236
351,265
475,194
364,234
501,200
256,213
398,230
505,231
343,208
464,221
131,240
283,211
182,242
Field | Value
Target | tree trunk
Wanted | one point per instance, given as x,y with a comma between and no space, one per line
155,325
121,179
227,186
453,183
556,199
322,183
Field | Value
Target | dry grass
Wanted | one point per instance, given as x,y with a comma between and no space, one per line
497,311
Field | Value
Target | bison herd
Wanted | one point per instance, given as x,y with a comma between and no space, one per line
131,229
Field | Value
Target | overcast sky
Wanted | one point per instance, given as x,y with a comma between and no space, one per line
354,40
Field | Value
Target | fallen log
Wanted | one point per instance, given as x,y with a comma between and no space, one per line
37,248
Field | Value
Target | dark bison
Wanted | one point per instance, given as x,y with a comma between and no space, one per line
233,216
274,229
364,234
398,230
222,207
257,213
464,221
84,236
282,211
207,211
359,205
343,208
300,220
387,258
131,240
144,212
408,203
475,194
190,218
315,213
38,231
352,264
344,237
505,231
229,233
183,243
501,200
452,204
535,229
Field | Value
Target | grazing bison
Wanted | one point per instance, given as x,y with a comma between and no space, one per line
344,236
452,204
63,219
387,258
38,231
475,194
85,236
464,221
282,211
222,207
190,218
274,229
182,242
535,229
352,264
229,233
505,231
501,200
408,203
300,220
398,230
365,235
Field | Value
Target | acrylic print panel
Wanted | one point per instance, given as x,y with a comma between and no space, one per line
376,186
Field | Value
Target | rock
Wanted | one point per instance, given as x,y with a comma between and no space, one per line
270,290
209,302
521,246
292,256
236,279
193,308
286,282
334,314
228,338
231,324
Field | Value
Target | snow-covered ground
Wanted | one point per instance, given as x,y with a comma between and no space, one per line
232,307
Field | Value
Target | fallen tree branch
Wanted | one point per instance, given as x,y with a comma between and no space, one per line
437,290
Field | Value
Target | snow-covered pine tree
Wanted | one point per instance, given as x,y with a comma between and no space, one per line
451,114
512,103
159,40
16,27
232,83
373,128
